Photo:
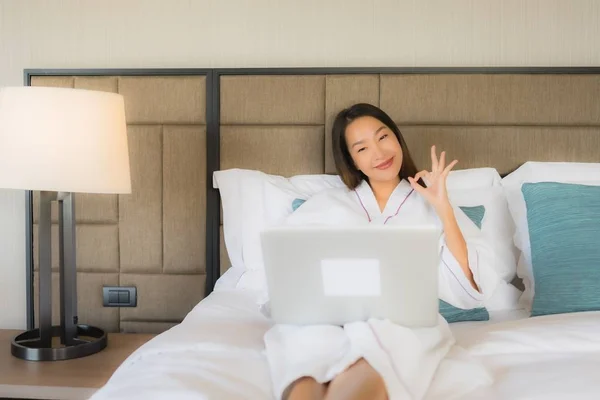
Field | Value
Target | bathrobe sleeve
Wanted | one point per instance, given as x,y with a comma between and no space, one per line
454,287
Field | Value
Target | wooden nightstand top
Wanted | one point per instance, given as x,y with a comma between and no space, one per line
71,379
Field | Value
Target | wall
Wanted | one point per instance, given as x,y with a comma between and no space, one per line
270,33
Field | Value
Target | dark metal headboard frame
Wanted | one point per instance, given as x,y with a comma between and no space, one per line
213,76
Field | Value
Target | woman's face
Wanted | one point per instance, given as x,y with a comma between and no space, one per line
374,149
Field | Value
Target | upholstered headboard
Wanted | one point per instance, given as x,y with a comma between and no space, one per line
152,239
166,238
281,123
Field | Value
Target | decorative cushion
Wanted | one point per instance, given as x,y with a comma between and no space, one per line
564,232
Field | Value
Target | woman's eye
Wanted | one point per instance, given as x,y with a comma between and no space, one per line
383,136
361,149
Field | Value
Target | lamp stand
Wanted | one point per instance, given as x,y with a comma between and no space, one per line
75,340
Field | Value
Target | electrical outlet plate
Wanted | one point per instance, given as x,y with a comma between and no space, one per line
116,296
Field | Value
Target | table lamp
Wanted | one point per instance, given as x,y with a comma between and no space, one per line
60,142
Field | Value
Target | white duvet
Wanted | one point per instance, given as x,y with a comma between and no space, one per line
217,352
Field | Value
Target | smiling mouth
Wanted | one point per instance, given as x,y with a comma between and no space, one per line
385,164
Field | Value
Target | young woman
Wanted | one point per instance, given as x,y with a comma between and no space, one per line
377,359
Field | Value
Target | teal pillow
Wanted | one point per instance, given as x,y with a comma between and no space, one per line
297,203
453,314
475,213
448,311
564,232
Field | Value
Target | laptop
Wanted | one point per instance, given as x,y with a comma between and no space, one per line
337,275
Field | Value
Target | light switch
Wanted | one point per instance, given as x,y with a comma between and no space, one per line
123,297
117,296
113,297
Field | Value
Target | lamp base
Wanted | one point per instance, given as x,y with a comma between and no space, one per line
28,346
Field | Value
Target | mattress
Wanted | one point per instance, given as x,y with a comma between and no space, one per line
217,352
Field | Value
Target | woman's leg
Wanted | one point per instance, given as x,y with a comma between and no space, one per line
359,381
305,388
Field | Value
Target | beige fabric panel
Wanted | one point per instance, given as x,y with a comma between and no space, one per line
97,208
283,99
97,247
492,99
150,237
184,199
279,150
504,148
342,92
164,99
163,297
53,81
98,83
140,221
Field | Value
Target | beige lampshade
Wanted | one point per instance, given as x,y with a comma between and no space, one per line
63,140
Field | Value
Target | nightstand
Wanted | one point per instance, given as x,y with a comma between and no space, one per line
71,379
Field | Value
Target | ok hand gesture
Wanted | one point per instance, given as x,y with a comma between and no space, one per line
435,193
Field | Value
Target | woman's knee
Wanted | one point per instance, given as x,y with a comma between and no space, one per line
359,381
304,388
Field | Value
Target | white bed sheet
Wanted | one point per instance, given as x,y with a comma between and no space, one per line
217,352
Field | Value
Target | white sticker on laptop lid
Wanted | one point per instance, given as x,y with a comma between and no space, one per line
351,277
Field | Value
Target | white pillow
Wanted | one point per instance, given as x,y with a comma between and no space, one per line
243,200
474,178
532,172
253,200
266,204
229,185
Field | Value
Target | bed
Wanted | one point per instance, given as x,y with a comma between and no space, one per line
217,353
259,119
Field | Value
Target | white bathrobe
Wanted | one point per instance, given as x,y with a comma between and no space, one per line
407,359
